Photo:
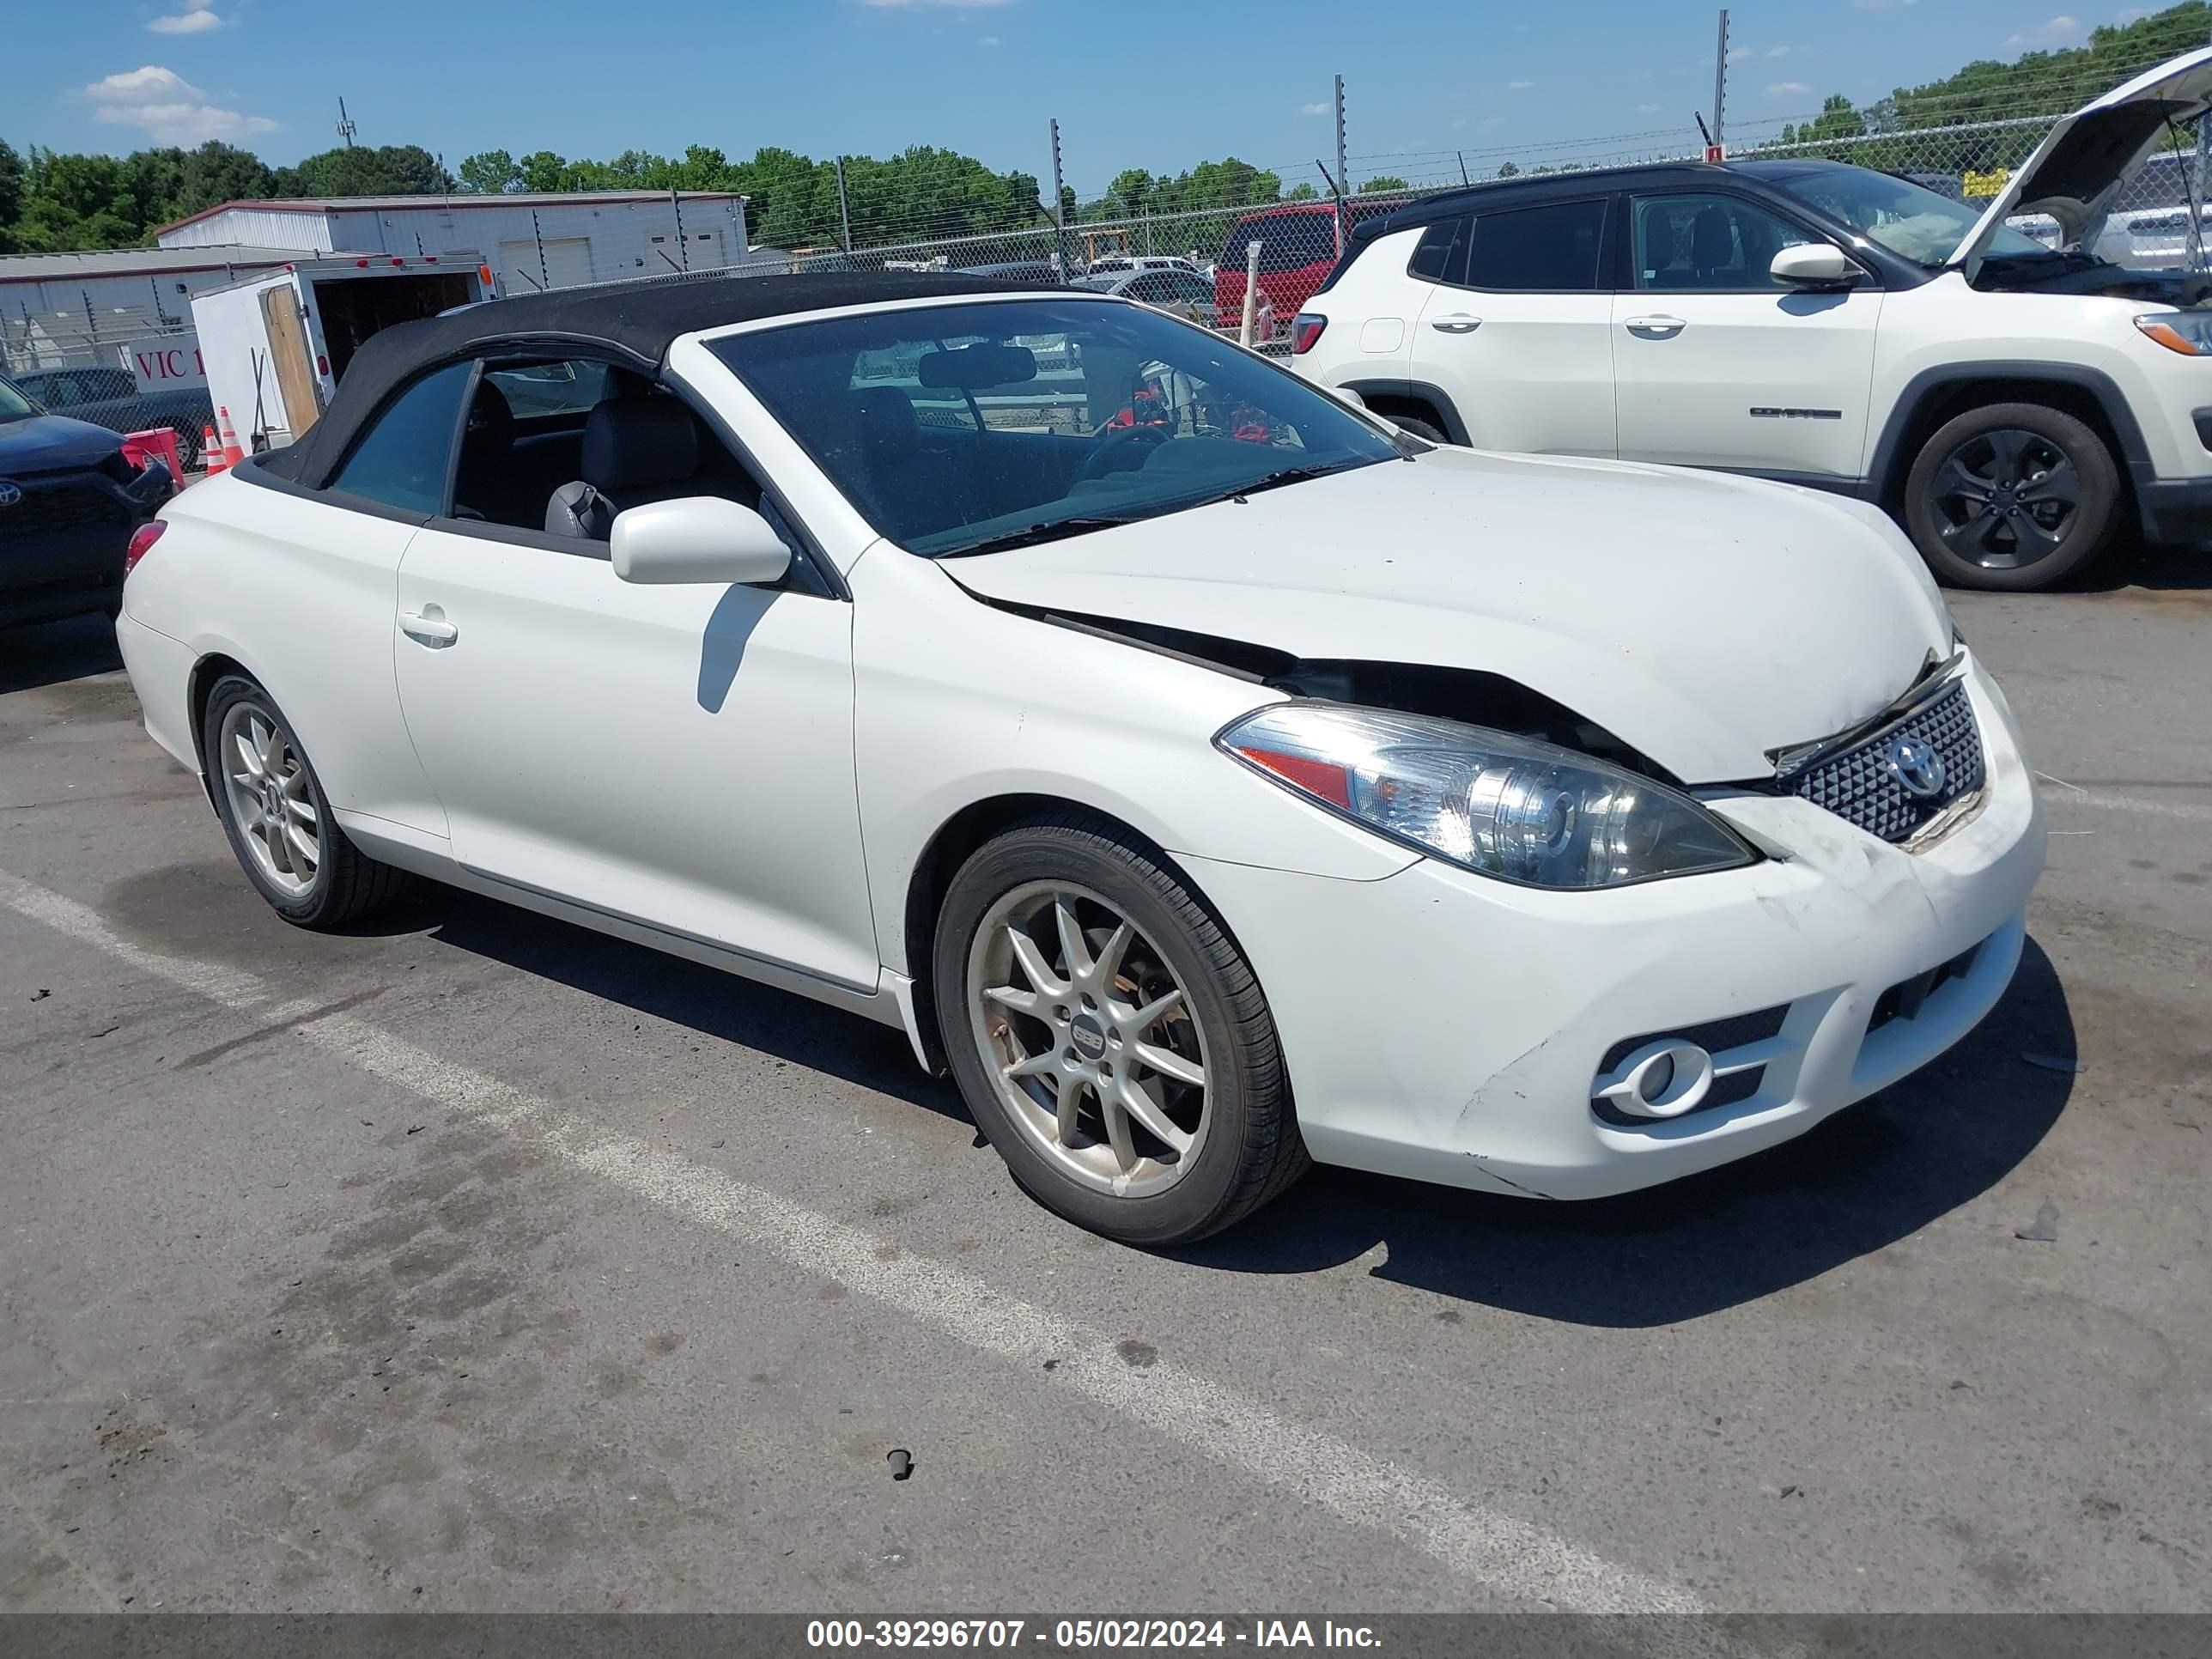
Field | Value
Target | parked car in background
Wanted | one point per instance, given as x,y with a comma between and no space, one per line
1207,788
1015,270
1171,288
1114,264
2010,403
70,504
111,398
1298,248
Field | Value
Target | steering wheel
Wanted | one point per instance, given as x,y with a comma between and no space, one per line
1111,442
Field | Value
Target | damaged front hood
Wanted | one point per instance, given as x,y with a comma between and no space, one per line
1704,620
2085,159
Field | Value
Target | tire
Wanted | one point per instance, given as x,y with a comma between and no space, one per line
2011,498
1418,426
1244,1147
343,884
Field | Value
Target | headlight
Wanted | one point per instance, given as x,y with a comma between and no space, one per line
2189,332
1505,807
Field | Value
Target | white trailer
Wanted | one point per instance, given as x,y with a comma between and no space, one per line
274,345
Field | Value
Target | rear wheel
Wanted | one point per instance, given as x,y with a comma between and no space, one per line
279,823
1109,1038
2012,497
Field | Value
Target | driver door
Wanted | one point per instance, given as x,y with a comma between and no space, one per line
1716,364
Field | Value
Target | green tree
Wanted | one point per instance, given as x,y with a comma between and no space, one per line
490,173
1381,182
1508,170
362,170
1302,192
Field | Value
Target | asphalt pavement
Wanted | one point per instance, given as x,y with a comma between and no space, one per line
475,1262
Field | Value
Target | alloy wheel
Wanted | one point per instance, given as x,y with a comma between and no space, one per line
2006,499
271,799
1090,1038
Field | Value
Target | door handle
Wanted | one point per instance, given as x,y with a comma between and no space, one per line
429,627
1457,322
1655,328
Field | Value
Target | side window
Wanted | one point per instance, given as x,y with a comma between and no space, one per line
1441,255
563,388
402,463
62,391
1552,250
1708,243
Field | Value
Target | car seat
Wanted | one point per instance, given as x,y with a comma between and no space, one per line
635,450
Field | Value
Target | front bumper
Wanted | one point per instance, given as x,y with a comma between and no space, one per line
62,542
1447,1028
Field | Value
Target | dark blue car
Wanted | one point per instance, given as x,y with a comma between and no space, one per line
68,502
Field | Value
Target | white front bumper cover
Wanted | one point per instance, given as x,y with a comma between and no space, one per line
1448,1028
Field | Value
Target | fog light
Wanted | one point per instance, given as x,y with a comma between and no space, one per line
1659,1080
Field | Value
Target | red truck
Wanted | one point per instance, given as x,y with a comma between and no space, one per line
1299,244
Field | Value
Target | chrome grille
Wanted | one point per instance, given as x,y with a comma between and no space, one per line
1860,785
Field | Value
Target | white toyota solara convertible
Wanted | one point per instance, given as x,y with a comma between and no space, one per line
1207,774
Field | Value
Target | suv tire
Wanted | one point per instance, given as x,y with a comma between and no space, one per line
1418,426
2012,498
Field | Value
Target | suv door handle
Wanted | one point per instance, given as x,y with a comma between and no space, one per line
1655,328
429,627
1457,322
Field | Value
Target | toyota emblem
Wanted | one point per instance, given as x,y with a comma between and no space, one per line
10,492
1918,768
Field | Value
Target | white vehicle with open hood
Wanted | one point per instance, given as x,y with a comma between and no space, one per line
1205,775
2009,399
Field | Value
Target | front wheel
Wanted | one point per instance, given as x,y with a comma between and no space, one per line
1109,1038
2012,497
278,821
1418,428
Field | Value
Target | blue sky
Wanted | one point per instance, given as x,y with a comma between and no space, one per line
1154,84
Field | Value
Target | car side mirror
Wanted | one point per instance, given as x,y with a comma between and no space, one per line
1815,265
1346,394
696,539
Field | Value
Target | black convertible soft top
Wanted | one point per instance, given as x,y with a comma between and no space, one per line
634,320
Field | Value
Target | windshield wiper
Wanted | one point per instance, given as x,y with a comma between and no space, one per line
1275,480
1053,531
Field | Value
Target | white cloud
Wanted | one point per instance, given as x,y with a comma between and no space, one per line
198,21
1519,85
1737,54
1313,109
167,108
1647,109
1777,52
2060,30
988,40
2130,16
1787,90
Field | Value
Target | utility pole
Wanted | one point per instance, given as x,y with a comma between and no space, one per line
844,215
1059,211
1343,179
346,127
1715,143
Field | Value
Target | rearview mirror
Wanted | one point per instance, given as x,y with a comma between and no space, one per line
1815,265
1346,394
696,539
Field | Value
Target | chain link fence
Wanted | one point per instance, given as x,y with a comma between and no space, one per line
109,365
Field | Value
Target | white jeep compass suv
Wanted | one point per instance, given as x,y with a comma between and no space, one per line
2010,403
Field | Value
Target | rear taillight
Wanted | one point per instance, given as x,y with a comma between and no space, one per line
142,542
1305,329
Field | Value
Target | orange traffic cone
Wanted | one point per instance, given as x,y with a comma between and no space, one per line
212,459
231,454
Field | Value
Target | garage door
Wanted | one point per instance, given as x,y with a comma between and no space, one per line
566,263
702,249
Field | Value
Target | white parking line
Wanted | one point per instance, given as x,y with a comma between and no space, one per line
1514,1558
2073,793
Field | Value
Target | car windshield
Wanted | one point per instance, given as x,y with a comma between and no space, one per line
14,406
1907,219
963,427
